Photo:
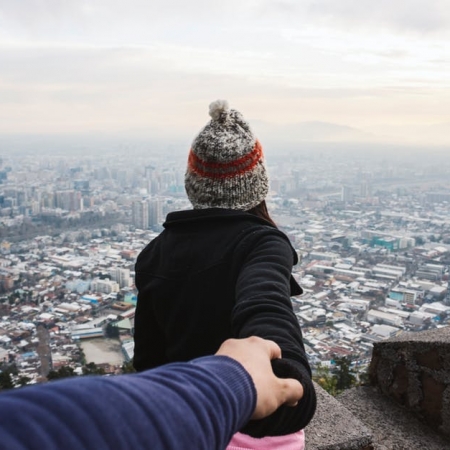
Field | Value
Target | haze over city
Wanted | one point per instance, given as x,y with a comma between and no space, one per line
301,72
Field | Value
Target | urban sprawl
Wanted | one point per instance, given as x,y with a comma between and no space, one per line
372,234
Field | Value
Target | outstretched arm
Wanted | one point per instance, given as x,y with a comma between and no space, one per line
180,406
263,308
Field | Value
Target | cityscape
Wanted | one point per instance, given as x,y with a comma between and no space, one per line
372,231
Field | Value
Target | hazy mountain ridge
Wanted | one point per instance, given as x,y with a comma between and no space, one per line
280,138
314,131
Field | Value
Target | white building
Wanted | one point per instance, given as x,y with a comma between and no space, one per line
380,317
140,214
104,286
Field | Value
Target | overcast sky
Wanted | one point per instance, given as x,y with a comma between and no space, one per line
379,69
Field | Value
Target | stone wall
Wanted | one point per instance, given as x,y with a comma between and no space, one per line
334,427
414,369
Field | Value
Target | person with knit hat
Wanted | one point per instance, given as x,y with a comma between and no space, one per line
226,164
223,270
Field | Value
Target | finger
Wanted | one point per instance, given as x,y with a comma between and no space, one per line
274,349
292,391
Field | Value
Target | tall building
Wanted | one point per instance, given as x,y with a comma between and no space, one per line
155,214
121,276
365,189
140,214
447,297
152,180
296,176
347,194
68,200
43,350
3,173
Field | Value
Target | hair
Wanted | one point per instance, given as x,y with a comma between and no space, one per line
261,211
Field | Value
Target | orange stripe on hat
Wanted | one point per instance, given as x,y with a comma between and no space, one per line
218,170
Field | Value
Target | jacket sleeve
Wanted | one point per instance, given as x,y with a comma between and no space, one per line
181,406
263,308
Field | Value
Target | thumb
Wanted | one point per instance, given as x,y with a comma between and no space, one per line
291,391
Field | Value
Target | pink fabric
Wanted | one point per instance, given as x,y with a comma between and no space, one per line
295,441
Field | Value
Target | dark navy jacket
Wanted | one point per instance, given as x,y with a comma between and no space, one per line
214,274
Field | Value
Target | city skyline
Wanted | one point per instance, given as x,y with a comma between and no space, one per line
312,72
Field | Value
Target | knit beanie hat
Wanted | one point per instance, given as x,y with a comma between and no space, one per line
226,163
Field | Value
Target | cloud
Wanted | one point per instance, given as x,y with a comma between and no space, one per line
424,16
107,19
119,21
34,16
69,66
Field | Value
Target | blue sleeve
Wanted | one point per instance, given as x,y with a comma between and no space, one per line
197,405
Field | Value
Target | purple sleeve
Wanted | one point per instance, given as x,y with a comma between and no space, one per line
197,405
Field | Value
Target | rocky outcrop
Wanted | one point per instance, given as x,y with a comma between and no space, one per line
391,425
414,370
407,407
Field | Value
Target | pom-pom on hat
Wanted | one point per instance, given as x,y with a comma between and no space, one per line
226,163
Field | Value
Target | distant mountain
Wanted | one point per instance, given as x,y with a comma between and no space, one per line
310,131
424,134
274,137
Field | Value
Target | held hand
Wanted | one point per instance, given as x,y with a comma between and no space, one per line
255,355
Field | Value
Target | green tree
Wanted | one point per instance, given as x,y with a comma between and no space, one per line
112,331
345,375
23,380
62,372
92,369
325,379
127,367
6,381
80,356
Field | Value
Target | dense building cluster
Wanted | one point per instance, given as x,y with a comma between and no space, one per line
373,237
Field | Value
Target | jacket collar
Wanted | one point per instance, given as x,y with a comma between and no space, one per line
210,214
